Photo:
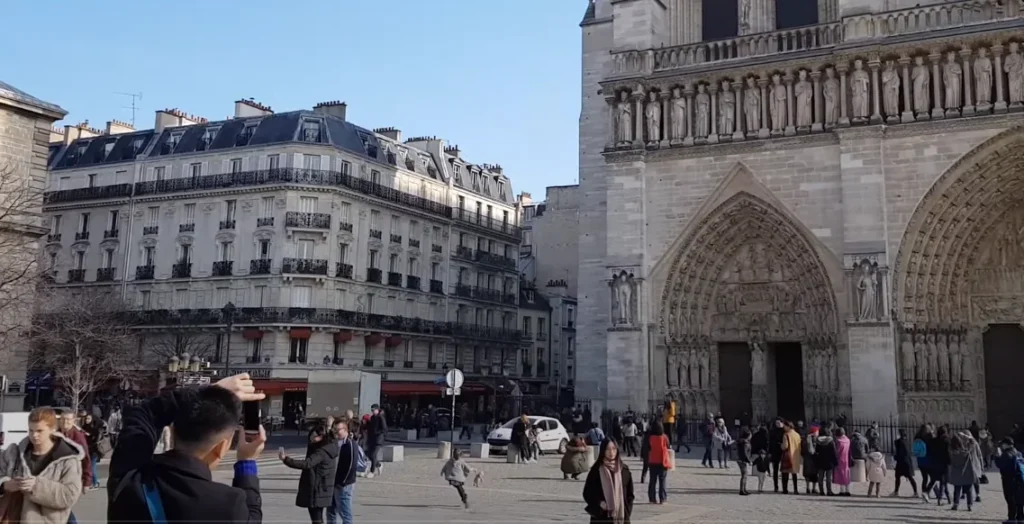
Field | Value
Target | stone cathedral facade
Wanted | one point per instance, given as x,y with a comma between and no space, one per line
807,220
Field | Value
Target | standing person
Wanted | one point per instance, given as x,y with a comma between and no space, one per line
707,430
608,491
669,419
1009,462
521,439
376,429
177,486
826,458
42,473
344,476
963,473
721,440
316,482
810,470
629,438
114,425
595,436
872,437
743,459
775,450
920,451
645,453
938,461
659,462
790,457
68,425
93,430
761,467
574,461
681,435
904,464
876,472
974,452
841,473
457,473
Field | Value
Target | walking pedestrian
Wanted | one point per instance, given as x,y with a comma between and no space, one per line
114,425
316,482
344,476
1011,471
93,430
521,439
681,435
659,462
645,452
68,425
743,459
457,473
629,438
608,491
920,452
938,461
841,473
964,471
376,429
669,419
904,463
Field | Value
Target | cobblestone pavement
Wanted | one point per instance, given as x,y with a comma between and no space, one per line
412,491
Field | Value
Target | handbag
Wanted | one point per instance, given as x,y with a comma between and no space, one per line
104,446
10,508
983,479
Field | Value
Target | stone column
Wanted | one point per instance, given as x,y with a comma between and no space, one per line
876,112
756,16
690,29
610,144
666,123
638,120
737,89
713,94
688,92
965,65
766,117
938,97
844,119
997,72
819,108
908,102
790,117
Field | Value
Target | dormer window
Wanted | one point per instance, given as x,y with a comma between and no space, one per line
246,135
487,186
501,189
107,148
310,131
136,145
208,135
172,142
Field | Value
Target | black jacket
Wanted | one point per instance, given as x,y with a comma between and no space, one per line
743,455
185,484
345,473
826,458
316,483
775,443
593,495
376,431
938,455
759,442
904,462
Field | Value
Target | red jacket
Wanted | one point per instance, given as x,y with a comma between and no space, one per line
78,437
659,454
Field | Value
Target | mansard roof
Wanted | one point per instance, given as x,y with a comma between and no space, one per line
13,93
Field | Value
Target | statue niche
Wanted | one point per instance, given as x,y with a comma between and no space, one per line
624,300
867,287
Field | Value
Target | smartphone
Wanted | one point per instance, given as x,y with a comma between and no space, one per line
251,416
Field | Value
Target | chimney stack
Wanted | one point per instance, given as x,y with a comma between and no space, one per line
251,108
174,118
80,130
333,108
452,150
117,127
390,132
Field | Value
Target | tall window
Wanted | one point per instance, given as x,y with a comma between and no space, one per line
83,223
184,253
196,169
149,255
273,161
229,209
299,350
80,260
306,249
92,179
227,251
108,257
302,296
153,218
346,167
264,249
307,204
436,235
112,220
345,212
435,270
236,165
311,161
393,263
158,173
343,253
375,176
374,219
267,207
374,259
255,347
414,227
413,267
145,299
55,224
189,216
396,225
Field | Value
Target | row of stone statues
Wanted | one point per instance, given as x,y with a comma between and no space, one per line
936,360
689,367
958,83
821,368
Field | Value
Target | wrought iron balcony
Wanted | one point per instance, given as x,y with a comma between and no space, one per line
509,298
259,266
394,279
184,228
345,226
227,224
87,193
412,282
82,235
111,233
105,274
344,270
464,252
407,364
414,243
53,237
265,222
374,275
307,220
223,268
181,270
304,266
436,248
492,259
396,239
375,233
462,290
144,272
152,230
488,294
437,286
76,275
367,362
473,331
478,221
541,335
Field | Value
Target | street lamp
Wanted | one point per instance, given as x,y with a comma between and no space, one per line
229,318
186,367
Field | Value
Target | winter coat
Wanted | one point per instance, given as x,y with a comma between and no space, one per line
458,471
720,439
841,473
593,495
574,461
988,447
658,451
858,447
872,439
938,455
810,469
791,462
904,461
875,466
1013,488
77,436
963,470
743,455
759,442
825,458
316,483
57,487
775,443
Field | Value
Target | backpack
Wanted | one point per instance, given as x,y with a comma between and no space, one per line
1018,468
920,449
362,464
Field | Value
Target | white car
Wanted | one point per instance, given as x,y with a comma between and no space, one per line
551,435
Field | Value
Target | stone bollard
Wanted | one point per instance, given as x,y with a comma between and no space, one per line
592,453
857,471
394,454
444,450
479,450
512,454
409,435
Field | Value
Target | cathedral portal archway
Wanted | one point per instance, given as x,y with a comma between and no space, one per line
959,272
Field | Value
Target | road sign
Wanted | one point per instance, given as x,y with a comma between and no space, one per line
452,392
455,378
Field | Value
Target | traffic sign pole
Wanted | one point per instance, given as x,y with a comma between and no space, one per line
455,379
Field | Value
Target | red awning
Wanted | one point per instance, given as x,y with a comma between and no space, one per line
393,341
300,332
343,336
424,388
373,339
252,334
276,387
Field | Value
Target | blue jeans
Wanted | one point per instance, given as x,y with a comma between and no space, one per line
657,485
341,505
95,474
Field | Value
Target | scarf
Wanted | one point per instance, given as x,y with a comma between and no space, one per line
611,485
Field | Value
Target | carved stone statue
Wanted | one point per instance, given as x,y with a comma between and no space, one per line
891,89
943,351
622,288
705,367
752,106
757,364
933,360
907,361
955,361
983,78
830,90
778,104
726,110
672,369
921,78
967,378
1013,65
809,365
624,120
744,16
951,78
867,289
804,92
693,356
819,369
703,116
921,358
833,369
860,83
678,115
652,114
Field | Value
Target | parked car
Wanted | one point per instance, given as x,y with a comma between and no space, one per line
551,435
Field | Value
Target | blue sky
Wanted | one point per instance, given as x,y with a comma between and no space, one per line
499,78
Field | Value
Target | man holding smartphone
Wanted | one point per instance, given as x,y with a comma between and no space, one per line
177,486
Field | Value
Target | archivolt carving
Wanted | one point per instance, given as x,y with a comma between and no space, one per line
747,270
965,237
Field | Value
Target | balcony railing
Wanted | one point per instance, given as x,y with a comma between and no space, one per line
374,275
488,294
53,237
181,270
111,233
76,275
396,239
412,282
344,271
436,286
414,243
475,219
509,298
87,193
436,248
265,222
227,224
367,362
541,335
186,228
307,220
394,279
82,235
407,364
144,272
105,274
462,290
464,252
345,226
223,268
304,266
259,266
492,259
152,230
375,233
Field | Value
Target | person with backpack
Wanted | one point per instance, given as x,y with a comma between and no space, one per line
349,454
1011,469
904,463
920,452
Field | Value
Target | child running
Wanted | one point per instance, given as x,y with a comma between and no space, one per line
457,473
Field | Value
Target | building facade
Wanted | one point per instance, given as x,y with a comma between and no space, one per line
24,129
803,214
277,243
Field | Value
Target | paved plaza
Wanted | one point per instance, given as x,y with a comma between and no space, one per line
413,491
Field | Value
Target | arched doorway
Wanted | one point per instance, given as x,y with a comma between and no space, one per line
959,291
748,316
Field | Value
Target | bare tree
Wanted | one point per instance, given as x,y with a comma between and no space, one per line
85,338
176,342
21,226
